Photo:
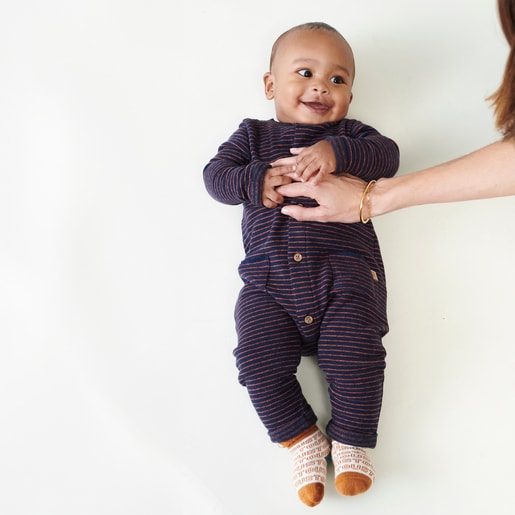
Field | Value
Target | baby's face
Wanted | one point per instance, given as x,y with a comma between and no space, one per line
311,78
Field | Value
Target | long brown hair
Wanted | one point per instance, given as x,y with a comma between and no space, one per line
503,100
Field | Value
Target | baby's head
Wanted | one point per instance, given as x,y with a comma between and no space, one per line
311,75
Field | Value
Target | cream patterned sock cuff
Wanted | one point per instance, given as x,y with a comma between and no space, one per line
309,460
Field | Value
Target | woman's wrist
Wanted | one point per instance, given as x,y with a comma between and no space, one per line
374,205
364,204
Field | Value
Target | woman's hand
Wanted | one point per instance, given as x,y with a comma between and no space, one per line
338,198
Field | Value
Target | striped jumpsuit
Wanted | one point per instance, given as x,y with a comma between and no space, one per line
308,287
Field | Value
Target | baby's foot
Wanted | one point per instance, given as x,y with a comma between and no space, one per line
353,469
310,467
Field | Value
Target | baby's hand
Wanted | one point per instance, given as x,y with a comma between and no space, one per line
287,166
314,161
277,175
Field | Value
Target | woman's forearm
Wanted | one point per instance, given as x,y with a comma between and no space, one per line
485,173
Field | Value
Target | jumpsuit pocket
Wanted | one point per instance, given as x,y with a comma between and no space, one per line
254,270
352,273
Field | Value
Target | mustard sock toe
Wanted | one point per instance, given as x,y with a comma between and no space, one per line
311,494
352,483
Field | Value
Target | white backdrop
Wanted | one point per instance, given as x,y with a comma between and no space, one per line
118,277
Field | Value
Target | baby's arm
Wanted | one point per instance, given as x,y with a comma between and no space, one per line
232,176
365,153
359,150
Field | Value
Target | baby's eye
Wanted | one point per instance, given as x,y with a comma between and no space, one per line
305,73
337,79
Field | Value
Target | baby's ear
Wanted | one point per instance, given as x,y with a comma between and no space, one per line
268,79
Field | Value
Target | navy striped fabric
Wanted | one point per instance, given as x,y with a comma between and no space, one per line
309,287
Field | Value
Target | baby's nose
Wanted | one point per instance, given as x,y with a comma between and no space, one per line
319,86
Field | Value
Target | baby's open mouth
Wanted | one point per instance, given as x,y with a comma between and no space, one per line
316,106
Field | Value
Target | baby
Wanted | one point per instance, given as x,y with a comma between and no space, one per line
309,288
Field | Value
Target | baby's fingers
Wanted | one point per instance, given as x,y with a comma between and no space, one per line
284,161
309,170
271,197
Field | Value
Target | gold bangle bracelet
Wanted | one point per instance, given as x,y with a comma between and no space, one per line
362,202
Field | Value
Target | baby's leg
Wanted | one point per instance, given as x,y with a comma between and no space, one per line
353,358
267,356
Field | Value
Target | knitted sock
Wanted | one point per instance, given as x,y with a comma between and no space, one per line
353,469
309,450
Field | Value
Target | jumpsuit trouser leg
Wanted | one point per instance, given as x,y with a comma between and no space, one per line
268,354
352,356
